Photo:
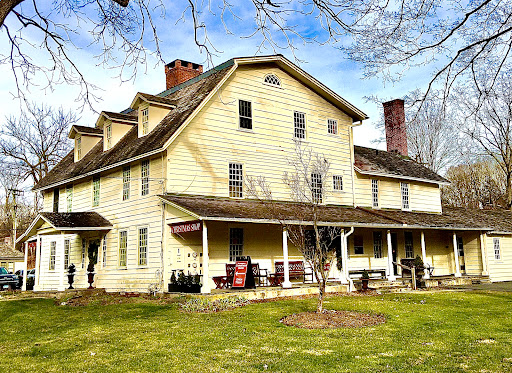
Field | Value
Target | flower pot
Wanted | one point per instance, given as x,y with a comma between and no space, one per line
90,279
364,283
174,288
71,279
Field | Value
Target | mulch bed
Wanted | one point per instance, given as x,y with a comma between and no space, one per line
332,319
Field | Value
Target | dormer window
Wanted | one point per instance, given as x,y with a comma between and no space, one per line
108,135
145,121
78,140
272,80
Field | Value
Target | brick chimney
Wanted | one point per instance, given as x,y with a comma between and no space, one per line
179,71
396,131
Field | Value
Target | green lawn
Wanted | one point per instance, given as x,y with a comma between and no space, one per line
440,332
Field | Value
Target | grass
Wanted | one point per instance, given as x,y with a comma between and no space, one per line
434,332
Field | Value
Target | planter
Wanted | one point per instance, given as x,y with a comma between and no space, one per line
364,283
175,288
90,279
71,279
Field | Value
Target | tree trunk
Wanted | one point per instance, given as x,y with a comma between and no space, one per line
321,293
6,7
508,191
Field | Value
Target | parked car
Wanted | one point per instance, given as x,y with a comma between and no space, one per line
30,279
7,280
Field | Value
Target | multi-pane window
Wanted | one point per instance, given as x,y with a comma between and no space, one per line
145,121
95,191
69,198
377,245
332,126
245,113
108,132
299,125
460,246
497,250
143,246
337,182
79,147
144,176
67,246
123,245
126,182
53,246
358,245
104,251
375,193
56,200
404,187
236,243
316,188
236,179
84,246
273,80
409,248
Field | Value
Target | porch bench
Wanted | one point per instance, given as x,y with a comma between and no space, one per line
409,262
380,272
259,273
296,270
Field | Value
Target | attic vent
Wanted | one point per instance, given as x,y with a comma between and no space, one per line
272,80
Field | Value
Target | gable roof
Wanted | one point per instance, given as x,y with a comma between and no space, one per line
7,252
376,162
152,99
91,131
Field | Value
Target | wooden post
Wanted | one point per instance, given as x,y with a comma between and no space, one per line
25,268
343,272
60,267
456,252
424,256
38,262
286,283
391,271
206,262
483,249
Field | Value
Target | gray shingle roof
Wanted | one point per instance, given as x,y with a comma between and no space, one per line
85,129
187,99
7,252
76,219
376,161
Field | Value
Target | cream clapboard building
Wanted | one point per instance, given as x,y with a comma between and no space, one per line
160,186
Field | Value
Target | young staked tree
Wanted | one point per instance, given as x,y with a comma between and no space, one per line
36,141
307,181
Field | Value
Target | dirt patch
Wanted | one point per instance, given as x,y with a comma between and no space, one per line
332,319
103,299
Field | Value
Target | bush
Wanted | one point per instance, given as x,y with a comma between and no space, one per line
206,305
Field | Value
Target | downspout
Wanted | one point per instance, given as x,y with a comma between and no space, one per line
353,173
345,267
162,235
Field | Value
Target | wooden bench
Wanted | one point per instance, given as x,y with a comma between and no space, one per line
409,262
296,269
380,272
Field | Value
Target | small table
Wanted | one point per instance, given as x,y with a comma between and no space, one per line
275,279
221,282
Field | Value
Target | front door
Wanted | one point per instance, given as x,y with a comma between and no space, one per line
92,253
460,250
394,250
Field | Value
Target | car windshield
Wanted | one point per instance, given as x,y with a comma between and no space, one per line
3,271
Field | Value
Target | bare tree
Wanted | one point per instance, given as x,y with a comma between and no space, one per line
36,141
487,122
476,185
307,184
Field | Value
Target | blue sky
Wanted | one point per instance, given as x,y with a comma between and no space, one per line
324,62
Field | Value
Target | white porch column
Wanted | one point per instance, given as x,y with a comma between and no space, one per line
38,263
483,249
60,266
343,272
391,271
25,268
286,283
424,255
206,262
456,252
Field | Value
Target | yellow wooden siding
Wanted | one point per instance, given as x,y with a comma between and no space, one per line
199,157
156,114
499,269
87,143
472,253
118,131
422,196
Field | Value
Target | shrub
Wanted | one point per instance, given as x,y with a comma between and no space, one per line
207,305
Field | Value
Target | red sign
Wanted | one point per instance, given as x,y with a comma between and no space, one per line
240,274
186,227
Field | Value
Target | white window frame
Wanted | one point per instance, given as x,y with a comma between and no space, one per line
409,245
104,251
235,249
127,175
496,244
122,248
79,147
375,193
316,188
332,126
236,180
67,248
272,76
240,116
142,247
405,196
297,130
108,135
96,185
84,248
144,113
144,177
69,198
337,183
53,254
